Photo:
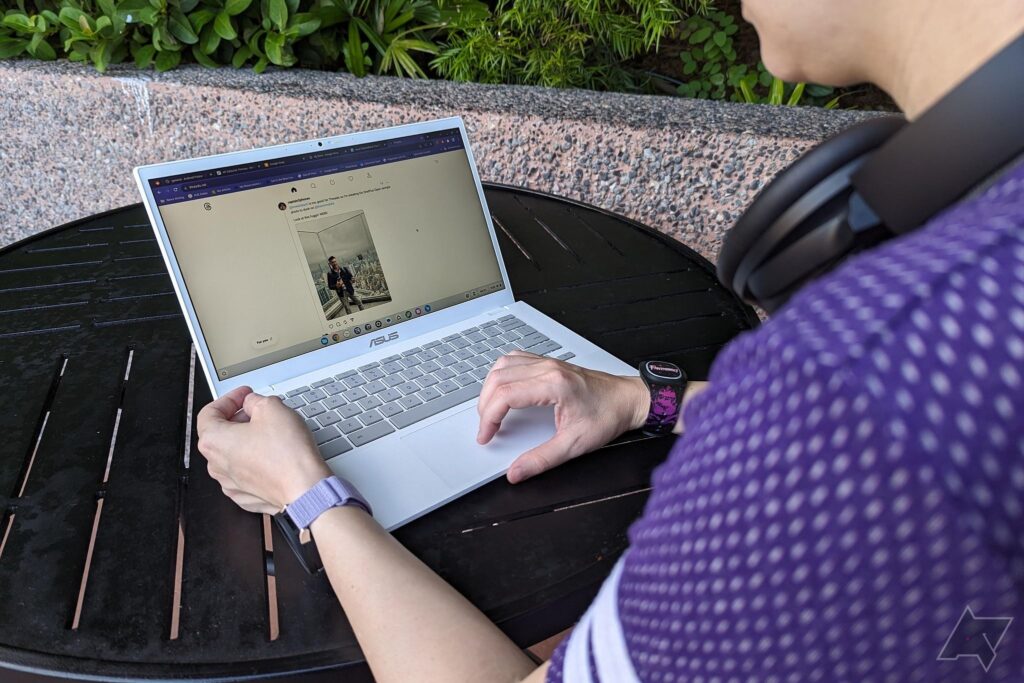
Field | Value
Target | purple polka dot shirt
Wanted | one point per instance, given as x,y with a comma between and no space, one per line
847,503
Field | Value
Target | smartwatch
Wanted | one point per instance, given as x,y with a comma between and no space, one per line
296,517
667,384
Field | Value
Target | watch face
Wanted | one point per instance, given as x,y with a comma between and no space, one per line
661,370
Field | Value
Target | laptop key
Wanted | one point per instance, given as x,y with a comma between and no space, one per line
439,404
460,367
354,394
324,435
489,323
450,337
334,448
350,425
412,373
410,362
295,402
430,345
392,367
465,379
506,318
312,410
429,394
408,388
370,402
390,409
355,381
371,417
442,349
429,366
334,388
314,395
511,324
390,359
508,348
460,343
371,433
296,392
480,373
411,352
448,386
368,366
478,361
345,375
374,386
493,355
531,339
447,359
332,402
372,374
312,424
492,331
394,380
444,373
321,382
544,347
476,337
350,410
480,347
328,418
429,354
567,355
389,395
428,381
409,401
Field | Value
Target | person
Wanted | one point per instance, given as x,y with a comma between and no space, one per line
340,279
848,489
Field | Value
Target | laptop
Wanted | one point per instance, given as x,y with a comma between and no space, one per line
359,278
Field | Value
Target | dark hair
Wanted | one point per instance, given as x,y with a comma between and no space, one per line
331,258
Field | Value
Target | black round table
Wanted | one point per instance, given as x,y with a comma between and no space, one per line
120,557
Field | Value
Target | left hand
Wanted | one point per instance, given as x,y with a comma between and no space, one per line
259,450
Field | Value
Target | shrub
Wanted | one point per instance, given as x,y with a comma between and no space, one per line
362,36
568,43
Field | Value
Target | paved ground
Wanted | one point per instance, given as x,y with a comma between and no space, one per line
71,137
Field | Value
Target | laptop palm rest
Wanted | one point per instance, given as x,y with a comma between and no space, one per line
449,448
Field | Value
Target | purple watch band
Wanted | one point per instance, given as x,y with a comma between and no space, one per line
326,494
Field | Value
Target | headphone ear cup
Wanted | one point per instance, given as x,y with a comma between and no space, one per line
785,190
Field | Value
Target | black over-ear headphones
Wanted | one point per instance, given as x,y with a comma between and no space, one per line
879,179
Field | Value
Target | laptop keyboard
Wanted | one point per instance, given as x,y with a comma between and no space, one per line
359,406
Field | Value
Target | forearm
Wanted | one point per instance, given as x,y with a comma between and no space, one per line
639,401
410,624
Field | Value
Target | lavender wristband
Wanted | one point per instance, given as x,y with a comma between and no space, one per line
326,494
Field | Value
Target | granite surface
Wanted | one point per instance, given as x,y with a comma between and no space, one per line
686,167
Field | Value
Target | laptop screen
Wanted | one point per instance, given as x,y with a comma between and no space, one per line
285,256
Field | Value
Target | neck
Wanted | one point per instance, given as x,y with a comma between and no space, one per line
939,43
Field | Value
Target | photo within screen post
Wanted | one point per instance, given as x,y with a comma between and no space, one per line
287,256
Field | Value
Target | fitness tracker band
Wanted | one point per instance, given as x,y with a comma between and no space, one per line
296,517
667,384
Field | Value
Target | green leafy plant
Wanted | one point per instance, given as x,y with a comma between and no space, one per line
712,70
571,43
361,36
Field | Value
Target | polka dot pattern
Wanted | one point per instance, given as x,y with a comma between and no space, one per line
854,477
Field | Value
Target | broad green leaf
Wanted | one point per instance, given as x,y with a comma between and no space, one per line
181,28
12,47
302,25
143,56
69,16
19,22
241,55
107,7
223,26
274,47
203,59
201,18
700,36
165,61
278,14
260,66
187,6
720,38
234,7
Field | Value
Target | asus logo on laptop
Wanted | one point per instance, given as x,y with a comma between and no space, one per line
377,341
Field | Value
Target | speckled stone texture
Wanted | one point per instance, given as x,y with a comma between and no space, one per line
686,167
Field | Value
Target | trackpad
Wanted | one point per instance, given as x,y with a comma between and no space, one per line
449,447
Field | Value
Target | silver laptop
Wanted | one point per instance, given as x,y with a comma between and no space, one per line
359,278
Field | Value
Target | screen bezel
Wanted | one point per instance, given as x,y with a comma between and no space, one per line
331,354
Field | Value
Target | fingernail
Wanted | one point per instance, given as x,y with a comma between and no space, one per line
514,474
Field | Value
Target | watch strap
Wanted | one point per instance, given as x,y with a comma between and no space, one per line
328,493
667,385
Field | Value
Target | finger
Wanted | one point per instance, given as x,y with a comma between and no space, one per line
554,451
506,397
256,403
222,410
501,376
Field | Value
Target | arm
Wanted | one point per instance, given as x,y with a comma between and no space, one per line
409,622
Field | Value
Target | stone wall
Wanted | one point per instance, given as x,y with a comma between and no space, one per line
71,136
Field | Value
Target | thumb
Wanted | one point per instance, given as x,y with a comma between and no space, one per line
552,452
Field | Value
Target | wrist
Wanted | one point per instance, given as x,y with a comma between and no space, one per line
302,478
638,403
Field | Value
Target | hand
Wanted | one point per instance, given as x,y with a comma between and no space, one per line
591,408
259,451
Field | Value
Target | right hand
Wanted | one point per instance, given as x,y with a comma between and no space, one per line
591,407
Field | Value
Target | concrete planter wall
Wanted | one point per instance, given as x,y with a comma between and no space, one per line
70,137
